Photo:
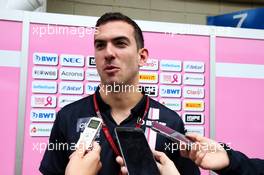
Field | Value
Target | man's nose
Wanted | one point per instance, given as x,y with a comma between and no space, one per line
109,52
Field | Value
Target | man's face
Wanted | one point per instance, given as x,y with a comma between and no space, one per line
116,54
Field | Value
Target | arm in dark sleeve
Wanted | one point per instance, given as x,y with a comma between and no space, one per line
55,158
185,166
240,164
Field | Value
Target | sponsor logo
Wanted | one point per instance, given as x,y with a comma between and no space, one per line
193,79
151,90
148,77
193,92
173,104
195,129
71,88
90,88
193,118
90,61
170,65
41,72
48,87
72,60
92,75
191,66
43,101
65,100
45,58
170,78
37,130
170,91
42,115
193,105
71,74
151,64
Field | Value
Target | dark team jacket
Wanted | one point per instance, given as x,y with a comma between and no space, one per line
70,122
240,164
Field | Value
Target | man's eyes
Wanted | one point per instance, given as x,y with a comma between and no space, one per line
102,45
121,44
99,45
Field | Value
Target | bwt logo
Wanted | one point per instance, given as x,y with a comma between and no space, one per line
72,60
40,115
45,58
171,91
91,88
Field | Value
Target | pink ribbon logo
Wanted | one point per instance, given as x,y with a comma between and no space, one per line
49,101
175,78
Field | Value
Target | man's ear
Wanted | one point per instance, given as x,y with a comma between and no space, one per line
143,56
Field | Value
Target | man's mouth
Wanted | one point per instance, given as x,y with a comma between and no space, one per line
111,69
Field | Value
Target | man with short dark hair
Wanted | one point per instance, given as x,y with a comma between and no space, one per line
119,53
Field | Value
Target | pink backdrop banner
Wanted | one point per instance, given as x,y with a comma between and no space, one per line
10,35
10,40
239,101
9,81
170,48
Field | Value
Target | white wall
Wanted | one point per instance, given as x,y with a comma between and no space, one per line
180,11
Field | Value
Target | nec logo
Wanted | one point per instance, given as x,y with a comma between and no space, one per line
170,91
72,60
45,59
42,115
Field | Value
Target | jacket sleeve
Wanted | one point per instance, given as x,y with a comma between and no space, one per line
185,166
55,157
240,164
